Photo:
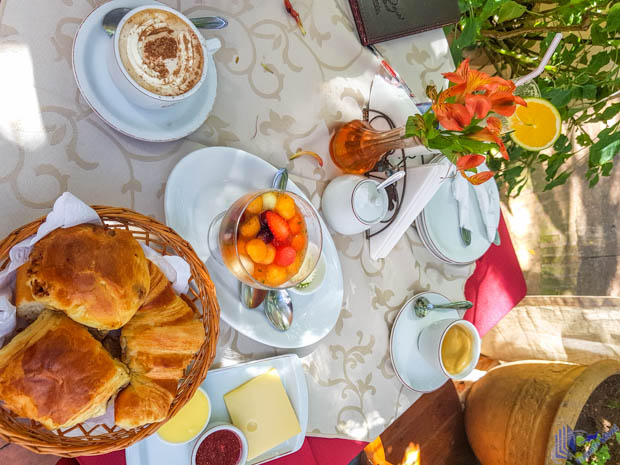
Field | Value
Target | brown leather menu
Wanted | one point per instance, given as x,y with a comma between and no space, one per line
381,20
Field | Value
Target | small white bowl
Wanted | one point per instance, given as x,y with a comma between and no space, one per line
219,427
314,286
201,429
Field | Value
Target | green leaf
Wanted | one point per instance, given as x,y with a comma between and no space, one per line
609,112
599,36
589,92
558,97
490,8
510,10
613,18
598,61
606,148
606,169
467,37
593,181
562,144
584,139
558,181
618,436
440,143
580,441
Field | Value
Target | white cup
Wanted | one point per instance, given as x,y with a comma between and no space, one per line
133,91
431,339
345,208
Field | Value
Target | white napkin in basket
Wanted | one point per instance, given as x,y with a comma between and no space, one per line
69,211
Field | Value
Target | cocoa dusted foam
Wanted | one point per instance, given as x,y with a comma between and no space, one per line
161,52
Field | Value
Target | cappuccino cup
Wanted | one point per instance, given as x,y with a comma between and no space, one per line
157,58
451,346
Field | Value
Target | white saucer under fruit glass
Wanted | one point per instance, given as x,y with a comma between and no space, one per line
410,367
90,50
204,184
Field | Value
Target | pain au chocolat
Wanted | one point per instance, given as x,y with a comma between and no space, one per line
97,276
158,344
56,373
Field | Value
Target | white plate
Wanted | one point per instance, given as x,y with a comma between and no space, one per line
410,367
441,220
90,49
152,451
205,183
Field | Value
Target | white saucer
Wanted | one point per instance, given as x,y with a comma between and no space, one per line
90,49
410,367
440,221
205,183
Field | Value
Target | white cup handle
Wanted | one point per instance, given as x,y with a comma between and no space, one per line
213,45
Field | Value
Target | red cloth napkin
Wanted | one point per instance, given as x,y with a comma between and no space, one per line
315,451
497,284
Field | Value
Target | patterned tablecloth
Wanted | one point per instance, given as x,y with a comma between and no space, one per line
51,142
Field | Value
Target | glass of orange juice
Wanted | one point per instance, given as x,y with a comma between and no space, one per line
269,239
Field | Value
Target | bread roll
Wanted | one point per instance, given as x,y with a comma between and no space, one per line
158,344
144,401
99,277
56,373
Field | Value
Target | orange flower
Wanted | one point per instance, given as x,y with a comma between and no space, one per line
467,162
492,134
478,105
479,178
505,103
452,116
467,81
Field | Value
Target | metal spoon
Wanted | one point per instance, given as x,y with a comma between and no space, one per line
391,180
422,306
279,309
113,17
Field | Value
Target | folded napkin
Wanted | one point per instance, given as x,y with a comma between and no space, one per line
69,211
422,180
488,203
497,284
422,183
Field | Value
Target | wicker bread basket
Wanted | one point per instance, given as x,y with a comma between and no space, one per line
80,440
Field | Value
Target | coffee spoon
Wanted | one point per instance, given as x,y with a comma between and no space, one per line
422,306
113,17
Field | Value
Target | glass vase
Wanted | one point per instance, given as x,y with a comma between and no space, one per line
357,147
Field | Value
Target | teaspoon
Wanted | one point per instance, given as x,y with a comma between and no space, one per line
113,17
422,306
279,309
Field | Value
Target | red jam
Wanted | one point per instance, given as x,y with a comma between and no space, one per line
220,448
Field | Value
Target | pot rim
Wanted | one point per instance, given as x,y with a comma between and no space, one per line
580,391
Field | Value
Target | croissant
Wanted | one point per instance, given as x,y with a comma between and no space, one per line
158,343
56,373
98,277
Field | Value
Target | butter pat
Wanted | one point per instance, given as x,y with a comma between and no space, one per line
262,410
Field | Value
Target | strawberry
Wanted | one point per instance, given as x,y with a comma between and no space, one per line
285,256
278,226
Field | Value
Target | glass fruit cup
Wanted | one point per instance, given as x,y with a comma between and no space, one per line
269,239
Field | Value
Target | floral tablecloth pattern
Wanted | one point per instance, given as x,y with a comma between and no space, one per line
51,142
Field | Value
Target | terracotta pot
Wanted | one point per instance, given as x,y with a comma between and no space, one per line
513,413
